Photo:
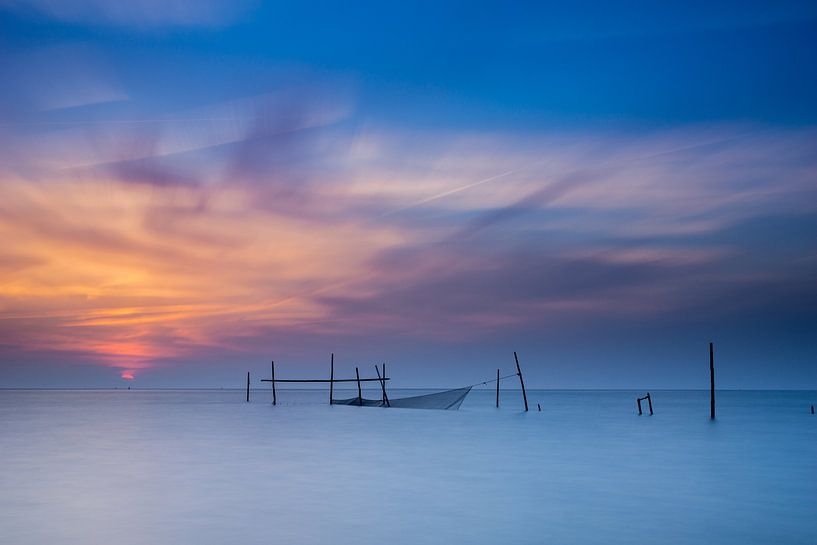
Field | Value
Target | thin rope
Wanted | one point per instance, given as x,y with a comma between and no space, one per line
492,380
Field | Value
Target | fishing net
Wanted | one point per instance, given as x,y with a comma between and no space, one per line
449,400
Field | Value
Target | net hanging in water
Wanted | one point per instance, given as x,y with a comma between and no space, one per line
449,400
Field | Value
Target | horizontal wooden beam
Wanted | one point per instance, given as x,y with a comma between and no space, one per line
324,380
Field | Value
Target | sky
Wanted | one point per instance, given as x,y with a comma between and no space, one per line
189,190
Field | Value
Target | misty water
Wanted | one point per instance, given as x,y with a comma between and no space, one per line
203,467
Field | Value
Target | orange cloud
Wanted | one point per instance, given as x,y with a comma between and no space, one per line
402,238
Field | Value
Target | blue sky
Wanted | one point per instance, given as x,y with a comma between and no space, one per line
191,189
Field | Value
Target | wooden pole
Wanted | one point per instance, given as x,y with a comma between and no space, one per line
497,388
274,400
382,385
248,386
812,409
383,393
711,382
521,381
540,407
388,403
331,376
638,400
359,393
649,401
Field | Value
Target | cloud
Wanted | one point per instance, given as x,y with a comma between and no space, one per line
286,226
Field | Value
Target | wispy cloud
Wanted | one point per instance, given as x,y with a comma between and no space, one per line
290,225
46,79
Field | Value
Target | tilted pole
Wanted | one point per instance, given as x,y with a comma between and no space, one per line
521,381
331,376
497,388
274,400
382,384
248,386
711,381
359,393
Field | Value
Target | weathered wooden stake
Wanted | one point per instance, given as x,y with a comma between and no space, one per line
649,401
359,393
540,407
383,384
274,400
812,409
248,386
497,388
522,382
638,400
331,376
711,382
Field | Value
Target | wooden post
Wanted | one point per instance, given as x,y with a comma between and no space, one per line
522,382
812,409
640,399
388,403
383,390
248,386
331,376
711,382
359,393
540,407
382,383
274,400
497,388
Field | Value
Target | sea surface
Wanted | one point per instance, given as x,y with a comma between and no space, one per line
204,467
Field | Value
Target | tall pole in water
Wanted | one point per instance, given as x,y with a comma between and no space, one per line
359,393
274,400
331,375
248,386
497,388
522,382
711,382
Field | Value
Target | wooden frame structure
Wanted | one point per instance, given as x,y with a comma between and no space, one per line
649,402
331,380
382,378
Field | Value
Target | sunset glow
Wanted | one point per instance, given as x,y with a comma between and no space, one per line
284,210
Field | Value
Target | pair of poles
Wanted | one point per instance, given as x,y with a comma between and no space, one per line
521,383
380,378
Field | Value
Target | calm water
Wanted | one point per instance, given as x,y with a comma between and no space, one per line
203,467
